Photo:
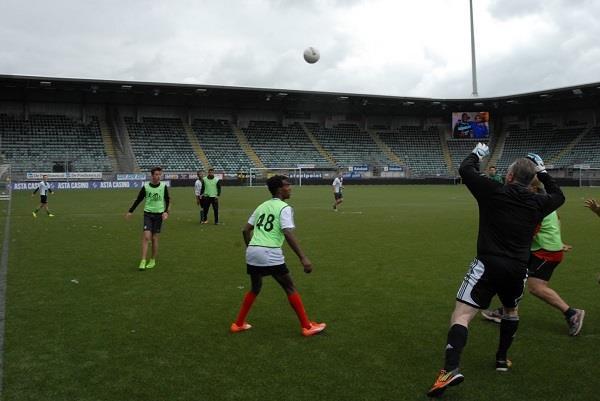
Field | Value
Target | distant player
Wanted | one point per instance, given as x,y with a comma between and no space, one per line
198,193
156,210
211,190
338,185
264,233
44,188
493,175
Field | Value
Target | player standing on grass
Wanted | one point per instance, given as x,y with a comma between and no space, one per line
338,185
156,210
508,216
198,193
211,190
44,188
547,251
264,233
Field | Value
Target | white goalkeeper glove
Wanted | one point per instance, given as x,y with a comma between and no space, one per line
481,150
539,163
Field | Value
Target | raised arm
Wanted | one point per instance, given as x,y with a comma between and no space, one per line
555,197
479,184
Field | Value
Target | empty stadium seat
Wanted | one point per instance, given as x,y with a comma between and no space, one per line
279,146
349,145
421,150
161,142
221,146
40,142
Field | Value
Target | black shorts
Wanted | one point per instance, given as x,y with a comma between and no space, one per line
152,222
540,268
338,195
276,270
43,198
496,275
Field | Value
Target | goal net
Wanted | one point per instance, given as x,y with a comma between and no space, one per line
587,176
258,176
5,182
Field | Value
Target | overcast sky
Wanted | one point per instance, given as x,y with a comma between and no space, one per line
387,47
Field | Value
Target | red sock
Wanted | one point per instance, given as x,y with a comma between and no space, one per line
246,305
296,303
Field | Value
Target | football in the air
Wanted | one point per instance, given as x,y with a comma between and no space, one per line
311,55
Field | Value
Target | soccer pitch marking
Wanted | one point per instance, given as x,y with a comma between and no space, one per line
3,271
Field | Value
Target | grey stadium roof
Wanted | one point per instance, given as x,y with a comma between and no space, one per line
75,90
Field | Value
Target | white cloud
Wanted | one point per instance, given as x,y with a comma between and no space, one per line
391,47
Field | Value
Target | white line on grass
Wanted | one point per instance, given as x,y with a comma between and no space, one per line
3,270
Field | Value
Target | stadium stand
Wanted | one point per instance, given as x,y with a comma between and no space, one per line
217,139
420,150
349,145
459,148
279,146
586,151
545,139
42,142
161,142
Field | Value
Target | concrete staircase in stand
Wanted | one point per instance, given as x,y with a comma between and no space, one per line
569,147
447,155
318,146
385,148
196,146
245,145
109,146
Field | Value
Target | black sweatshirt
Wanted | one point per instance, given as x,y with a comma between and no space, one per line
508,214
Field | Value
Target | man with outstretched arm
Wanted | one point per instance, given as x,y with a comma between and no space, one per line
508,216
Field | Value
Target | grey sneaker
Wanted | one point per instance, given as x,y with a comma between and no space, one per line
575,322
493,315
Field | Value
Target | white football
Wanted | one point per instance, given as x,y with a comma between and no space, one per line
311,55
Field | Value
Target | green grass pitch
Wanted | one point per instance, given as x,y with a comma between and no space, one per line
83,324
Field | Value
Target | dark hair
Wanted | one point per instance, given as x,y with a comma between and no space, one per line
154,169
275,182
211,169
491,167
199,172
523,170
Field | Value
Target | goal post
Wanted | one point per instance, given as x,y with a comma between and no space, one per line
588,176
5,187
258,176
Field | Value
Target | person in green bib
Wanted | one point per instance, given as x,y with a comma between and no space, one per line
547,251
156,209
211,190
271,223
494,176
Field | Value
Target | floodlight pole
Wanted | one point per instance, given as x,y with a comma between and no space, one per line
473,63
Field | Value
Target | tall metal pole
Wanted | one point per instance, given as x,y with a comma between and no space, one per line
473,63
